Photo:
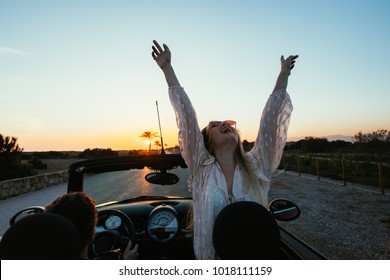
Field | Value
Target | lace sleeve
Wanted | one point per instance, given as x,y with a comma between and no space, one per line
190,137
272,135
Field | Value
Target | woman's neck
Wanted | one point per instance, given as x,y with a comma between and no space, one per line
225,158
228,165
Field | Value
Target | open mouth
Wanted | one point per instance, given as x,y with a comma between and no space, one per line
226,129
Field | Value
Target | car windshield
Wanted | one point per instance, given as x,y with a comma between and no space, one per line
127,184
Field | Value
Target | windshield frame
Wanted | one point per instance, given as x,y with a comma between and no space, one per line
157,162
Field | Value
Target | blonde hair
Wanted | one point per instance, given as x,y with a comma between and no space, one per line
251,182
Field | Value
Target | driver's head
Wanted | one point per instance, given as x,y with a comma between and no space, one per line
246,230
81,210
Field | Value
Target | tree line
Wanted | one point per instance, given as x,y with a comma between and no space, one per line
16,164
374,142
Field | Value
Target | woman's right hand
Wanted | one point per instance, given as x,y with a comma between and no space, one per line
162,56
130,253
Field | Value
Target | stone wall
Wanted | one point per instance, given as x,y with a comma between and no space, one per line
20,186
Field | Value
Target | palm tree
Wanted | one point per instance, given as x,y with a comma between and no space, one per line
157,143
149,135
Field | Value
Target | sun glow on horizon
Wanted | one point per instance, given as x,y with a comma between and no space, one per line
80,74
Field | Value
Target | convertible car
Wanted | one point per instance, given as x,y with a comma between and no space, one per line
145,198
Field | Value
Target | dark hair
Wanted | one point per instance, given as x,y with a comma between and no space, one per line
79,208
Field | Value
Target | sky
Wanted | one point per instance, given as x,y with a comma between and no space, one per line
79,74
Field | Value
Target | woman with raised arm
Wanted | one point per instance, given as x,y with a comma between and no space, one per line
221,173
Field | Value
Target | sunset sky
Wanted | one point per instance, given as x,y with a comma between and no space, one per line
79,74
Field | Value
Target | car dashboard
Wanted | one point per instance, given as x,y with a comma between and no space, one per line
161,226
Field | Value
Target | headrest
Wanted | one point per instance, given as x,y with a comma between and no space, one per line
246,230
42,236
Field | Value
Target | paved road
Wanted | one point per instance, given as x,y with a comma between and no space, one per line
123,185
12,205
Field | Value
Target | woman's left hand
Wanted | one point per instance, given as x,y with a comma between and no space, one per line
287,64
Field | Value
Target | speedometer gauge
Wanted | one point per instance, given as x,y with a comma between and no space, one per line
163,224
113,222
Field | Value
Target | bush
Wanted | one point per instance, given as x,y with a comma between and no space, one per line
11,166
97,153
36,163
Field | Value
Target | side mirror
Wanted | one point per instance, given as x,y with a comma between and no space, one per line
284,210
162,178
26,212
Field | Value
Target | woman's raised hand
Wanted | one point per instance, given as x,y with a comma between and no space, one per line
287,64
161,55
163,58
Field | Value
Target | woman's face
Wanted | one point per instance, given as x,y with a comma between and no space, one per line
222,134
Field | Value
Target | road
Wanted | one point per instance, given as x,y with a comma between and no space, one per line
12,205
122,185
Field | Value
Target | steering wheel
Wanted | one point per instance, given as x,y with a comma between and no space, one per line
26,212
109,243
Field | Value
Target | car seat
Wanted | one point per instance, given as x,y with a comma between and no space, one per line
246,230
42,236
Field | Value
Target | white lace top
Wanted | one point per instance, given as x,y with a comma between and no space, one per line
207,182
